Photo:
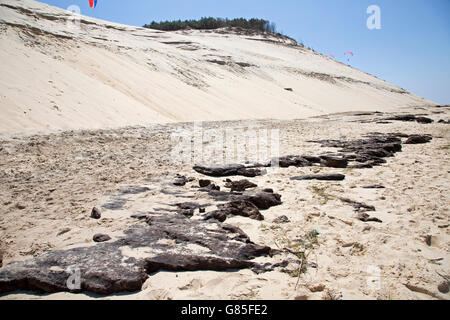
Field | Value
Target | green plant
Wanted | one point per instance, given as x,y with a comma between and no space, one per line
301,249
275,227
209,23
321,192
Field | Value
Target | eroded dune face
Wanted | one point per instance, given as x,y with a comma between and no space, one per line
65,71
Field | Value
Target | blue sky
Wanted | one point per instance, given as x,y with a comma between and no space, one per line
411,50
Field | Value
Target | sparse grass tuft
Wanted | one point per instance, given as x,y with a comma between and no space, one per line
321,192
275,227
301,249
331,295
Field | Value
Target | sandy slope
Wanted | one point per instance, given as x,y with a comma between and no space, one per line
97,74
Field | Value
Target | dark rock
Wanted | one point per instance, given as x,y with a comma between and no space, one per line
20,206
392,147
364,113
368,152
323,177
241,208
63,231
410,118
179,181
424,120
247,204
187,208
133,190
334,162
428,239
281,219
383,122
269,190
418,139
262,200
105,270
312,159
220,62
289,89
218,195
101,238
140,216
358,206
253,165
244,64
366,165
229,170
204,183
375,153
218,215
1,258
293,161
188,205
101,269
406,117
235,208
366,161
202,210
366,218
444,121
375,186
116,203
240,235
186,212
95,213
214,187
240,185
178,193
400,135
267,267
443,287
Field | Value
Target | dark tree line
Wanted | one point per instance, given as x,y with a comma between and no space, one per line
214,23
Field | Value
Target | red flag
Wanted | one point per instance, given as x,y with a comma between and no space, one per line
91,3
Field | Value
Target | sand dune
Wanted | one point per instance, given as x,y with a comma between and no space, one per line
56,74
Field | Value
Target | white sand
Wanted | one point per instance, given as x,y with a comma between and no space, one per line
87,168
